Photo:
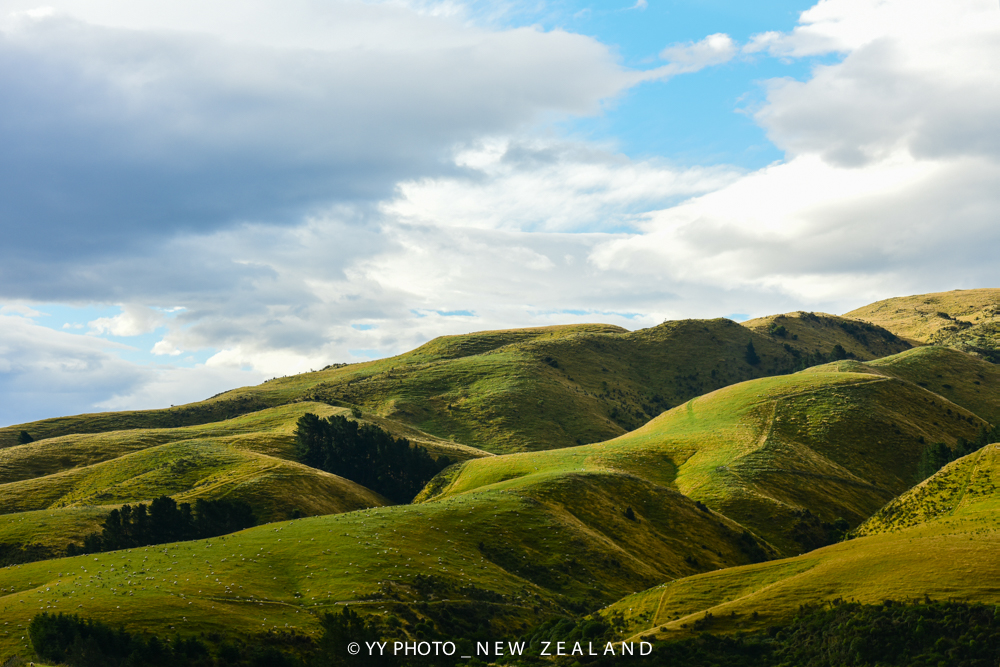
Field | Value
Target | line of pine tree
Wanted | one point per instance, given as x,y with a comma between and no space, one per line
937,455
166,521
366,454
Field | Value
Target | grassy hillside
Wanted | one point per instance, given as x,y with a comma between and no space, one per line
517,390
623,460
940,540
269,432
839,441
31,536
503,542
266,432
497,559
967,320
966,491
56,491
812,333
961,378
189,470
250,457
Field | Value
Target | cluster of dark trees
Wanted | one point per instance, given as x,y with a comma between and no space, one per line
13,554
843,634
801,361
937,455
80,642
166,521
366,454
817,357
890,634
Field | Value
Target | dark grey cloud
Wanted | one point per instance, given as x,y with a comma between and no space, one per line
115,137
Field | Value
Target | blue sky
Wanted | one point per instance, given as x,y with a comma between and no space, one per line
691,119
203,195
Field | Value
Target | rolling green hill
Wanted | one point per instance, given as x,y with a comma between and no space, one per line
965,491
266,432
594,463
52,511
781,455
812,333
269,432
967,320
189,470
500,557
55,491
522,389
940,540
505,541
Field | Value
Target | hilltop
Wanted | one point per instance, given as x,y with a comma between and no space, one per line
523,389
967,320
816,334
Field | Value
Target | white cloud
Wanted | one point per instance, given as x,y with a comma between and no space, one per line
165,347
168,385
827,233
933,99
844,26
134,320
19,309
693,56
889,183
546,186
47,373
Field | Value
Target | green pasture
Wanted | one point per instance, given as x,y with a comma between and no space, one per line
940,540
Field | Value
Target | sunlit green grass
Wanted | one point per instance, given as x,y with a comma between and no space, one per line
189,470
939,540
840,440
499,391
269,432
546,530
562,541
